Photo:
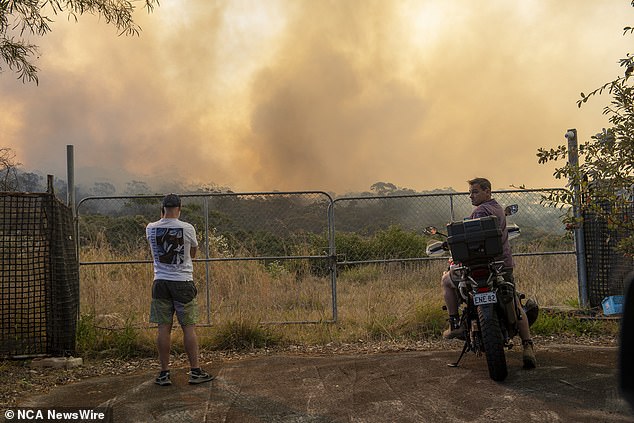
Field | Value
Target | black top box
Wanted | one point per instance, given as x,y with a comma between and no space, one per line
475,239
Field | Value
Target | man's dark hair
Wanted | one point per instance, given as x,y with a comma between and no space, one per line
171,200
482,182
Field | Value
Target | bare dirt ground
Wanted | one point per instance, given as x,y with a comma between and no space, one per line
572,383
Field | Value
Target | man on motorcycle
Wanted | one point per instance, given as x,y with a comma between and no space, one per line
480,195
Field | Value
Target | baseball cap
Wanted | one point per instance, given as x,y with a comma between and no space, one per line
171,200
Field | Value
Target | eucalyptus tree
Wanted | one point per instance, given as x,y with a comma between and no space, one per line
602,182
20,20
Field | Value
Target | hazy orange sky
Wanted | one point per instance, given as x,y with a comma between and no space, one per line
315,94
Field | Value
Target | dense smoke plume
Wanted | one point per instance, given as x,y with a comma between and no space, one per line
331,95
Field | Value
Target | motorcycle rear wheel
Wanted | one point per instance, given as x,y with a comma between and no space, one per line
493,342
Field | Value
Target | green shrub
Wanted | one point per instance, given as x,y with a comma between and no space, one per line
395,243
87,335
353,247
121,342
549,324
428,321
391,243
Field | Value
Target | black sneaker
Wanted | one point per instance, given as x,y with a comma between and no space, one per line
163,379
199,376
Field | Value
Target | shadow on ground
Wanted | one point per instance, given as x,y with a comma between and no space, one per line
571,384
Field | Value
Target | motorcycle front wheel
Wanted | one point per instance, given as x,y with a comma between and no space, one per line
493,341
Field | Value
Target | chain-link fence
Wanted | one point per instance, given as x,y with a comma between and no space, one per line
389,229
386,220
269,257
277,257
262,255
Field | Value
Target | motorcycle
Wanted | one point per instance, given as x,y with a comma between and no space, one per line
489,304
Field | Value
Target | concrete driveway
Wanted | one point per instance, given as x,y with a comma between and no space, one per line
570,384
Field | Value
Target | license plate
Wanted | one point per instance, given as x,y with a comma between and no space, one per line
484,298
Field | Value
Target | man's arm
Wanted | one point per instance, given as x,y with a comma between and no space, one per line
193,246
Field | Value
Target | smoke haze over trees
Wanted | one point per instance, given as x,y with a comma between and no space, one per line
290,95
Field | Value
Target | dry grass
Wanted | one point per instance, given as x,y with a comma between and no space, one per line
551,280
375,301
114,293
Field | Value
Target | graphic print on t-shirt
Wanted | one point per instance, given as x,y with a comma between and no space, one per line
170,245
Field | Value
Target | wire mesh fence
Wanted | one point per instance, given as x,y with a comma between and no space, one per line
268,257
265,255
607,269
389,229
39,281
277,257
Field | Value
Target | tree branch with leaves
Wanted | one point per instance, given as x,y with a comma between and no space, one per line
605,173
20,19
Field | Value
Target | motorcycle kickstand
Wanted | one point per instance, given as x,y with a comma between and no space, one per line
464,350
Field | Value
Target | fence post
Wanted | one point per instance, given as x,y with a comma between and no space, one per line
70,192
332,260
582,274
207,256
70,176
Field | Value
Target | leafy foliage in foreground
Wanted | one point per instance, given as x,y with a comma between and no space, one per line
424,322
604,175
123,342
552,324
21,18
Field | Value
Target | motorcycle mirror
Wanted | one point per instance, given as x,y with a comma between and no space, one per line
435,249
512,209
513,231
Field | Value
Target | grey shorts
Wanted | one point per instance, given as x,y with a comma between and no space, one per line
169,297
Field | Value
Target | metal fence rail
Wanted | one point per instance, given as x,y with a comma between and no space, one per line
385,219
279,254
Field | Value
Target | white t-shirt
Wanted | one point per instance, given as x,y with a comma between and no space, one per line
171,240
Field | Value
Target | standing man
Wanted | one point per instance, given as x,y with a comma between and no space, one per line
480,195
173,244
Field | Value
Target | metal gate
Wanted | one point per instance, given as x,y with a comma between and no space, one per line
278,255
266,251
